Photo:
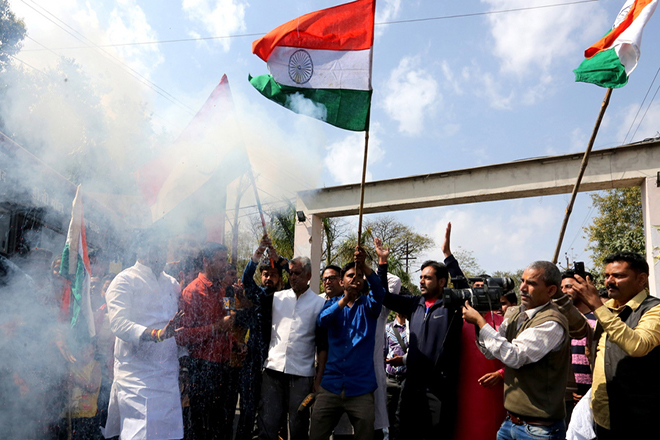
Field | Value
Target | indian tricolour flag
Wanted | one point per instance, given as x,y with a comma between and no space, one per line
610,61
324,56
75,266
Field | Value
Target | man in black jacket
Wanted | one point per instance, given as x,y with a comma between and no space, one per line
428,399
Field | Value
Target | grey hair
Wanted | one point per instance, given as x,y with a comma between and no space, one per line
551,274
305,262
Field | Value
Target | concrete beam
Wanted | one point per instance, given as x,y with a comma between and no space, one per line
651,210
610,168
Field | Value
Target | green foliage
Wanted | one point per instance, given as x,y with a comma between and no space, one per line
618,225
282,229
12,33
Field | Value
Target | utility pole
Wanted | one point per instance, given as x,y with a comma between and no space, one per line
407,257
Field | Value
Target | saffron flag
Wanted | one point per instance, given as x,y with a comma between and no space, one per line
324,56
610,61
75,266
208,153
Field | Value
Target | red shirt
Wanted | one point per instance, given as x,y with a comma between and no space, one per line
201,302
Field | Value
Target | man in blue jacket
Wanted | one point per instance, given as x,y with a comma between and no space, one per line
349,380
428,398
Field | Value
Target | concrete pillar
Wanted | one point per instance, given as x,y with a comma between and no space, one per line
651,207
308,242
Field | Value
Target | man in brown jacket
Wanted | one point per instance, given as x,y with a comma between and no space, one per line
533,342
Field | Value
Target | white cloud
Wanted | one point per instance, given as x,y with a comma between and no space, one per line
578,140
386,10
413,94
501,236
649,126
128,24
450,78
217,17
527,42
344,158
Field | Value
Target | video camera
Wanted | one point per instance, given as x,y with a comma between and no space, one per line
483,299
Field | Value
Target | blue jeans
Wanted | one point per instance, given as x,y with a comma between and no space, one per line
510,431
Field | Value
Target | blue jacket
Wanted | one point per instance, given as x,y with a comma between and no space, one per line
434,340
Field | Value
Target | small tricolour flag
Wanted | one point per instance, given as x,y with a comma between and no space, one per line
75,266
610,61
324,56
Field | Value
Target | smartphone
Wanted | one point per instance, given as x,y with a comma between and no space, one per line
578,268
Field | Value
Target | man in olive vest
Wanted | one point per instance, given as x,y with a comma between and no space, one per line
625,388
533,342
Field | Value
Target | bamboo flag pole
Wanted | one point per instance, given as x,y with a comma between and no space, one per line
261,211
364,175
583,167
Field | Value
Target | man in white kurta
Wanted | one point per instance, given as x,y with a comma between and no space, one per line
144,401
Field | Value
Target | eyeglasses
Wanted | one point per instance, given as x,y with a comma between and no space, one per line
330,278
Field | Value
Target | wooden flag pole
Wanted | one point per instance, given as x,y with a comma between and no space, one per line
261,211
364,175
583,167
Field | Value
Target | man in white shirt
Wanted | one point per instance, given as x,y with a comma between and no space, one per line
289,369
144,400
533,342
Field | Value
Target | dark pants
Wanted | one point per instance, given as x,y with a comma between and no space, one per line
394,386
329,407
282,394
250,390
426,415
208,399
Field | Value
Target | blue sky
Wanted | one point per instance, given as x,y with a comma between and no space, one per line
448,94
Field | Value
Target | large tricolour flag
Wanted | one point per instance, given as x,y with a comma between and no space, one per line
324,56
75,266
610,61
209,152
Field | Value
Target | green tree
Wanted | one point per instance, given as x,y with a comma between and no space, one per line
400,238
618,225
12,33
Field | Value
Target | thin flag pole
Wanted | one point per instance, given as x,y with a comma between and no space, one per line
583,167
256,196
261,211
366,138
364,175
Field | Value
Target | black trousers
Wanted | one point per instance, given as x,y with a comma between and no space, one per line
209,386
425,414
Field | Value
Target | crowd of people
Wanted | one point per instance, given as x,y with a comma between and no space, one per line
187,350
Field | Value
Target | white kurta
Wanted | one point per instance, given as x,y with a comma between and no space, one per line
145,403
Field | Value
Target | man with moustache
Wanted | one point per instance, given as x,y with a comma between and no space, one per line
289,368
533,342
144,399
206,333
428,399
624,392
349,379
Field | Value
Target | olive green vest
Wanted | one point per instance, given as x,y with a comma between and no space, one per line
537,390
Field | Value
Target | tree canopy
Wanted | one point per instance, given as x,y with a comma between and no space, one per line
618,225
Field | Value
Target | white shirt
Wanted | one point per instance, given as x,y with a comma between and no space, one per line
530,346
293,332
144,400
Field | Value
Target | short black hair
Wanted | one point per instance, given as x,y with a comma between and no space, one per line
210,249
346,268
511,297
331,267
635,261
439,268
571,274
265,265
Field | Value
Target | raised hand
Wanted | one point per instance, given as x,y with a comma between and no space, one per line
445,244
382,252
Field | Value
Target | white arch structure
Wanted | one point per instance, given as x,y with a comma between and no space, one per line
629,165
